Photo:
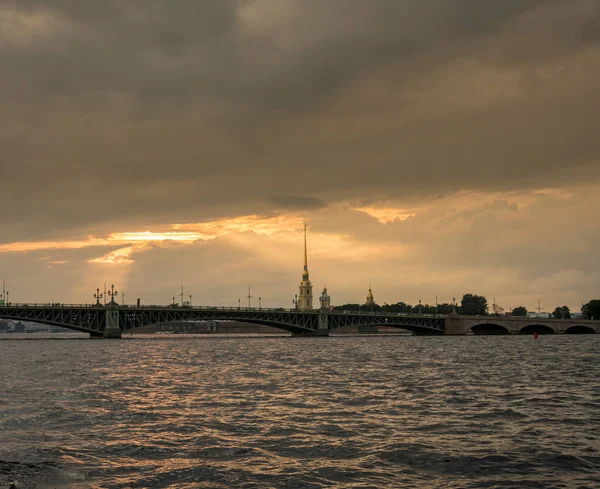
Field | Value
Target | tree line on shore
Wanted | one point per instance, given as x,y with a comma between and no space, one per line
470,305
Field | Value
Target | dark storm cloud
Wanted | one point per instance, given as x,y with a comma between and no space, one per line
140,112
297,202
192,49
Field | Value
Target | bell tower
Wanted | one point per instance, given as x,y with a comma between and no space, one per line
305,295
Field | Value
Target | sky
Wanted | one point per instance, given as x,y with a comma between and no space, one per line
433,149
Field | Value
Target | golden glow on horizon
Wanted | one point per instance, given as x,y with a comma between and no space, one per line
283,228
254,223
46,245
120,256
176,233
148,236
386,214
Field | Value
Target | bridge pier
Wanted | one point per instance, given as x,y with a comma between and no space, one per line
111,326
323,329
454,325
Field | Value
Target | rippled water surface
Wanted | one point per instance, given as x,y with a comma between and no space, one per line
422,412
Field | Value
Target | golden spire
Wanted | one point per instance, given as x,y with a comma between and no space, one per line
305,298
305,254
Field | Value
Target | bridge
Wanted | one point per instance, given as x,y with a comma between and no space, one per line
112,320
504,325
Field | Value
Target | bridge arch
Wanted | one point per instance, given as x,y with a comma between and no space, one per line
298,324
418,325
489,329
92,327
536,328
279,326
578,329
415,329
408,328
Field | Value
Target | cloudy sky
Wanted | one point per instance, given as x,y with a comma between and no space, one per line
433,148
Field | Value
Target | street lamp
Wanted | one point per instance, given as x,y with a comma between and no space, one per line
112,294
259,299
420,307
239,304
97,296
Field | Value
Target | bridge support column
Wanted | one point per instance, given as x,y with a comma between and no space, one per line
111,326
454,325
323,324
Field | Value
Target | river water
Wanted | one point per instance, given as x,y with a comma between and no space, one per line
345,412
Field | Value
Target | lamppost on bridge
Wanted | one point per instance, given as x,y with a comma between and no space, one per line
112,294
190,300
249,297
420,309
295,301
97,296
259,299
7,301
239,304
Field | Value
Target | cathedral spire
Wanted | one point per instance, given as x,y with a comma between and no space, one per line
304,302
305,253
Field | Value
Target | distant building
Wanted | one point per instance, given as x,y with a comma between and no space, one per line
325,300
370,300
541,315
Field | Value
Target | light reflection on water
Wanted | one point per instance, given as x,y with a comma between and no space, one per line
302,412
